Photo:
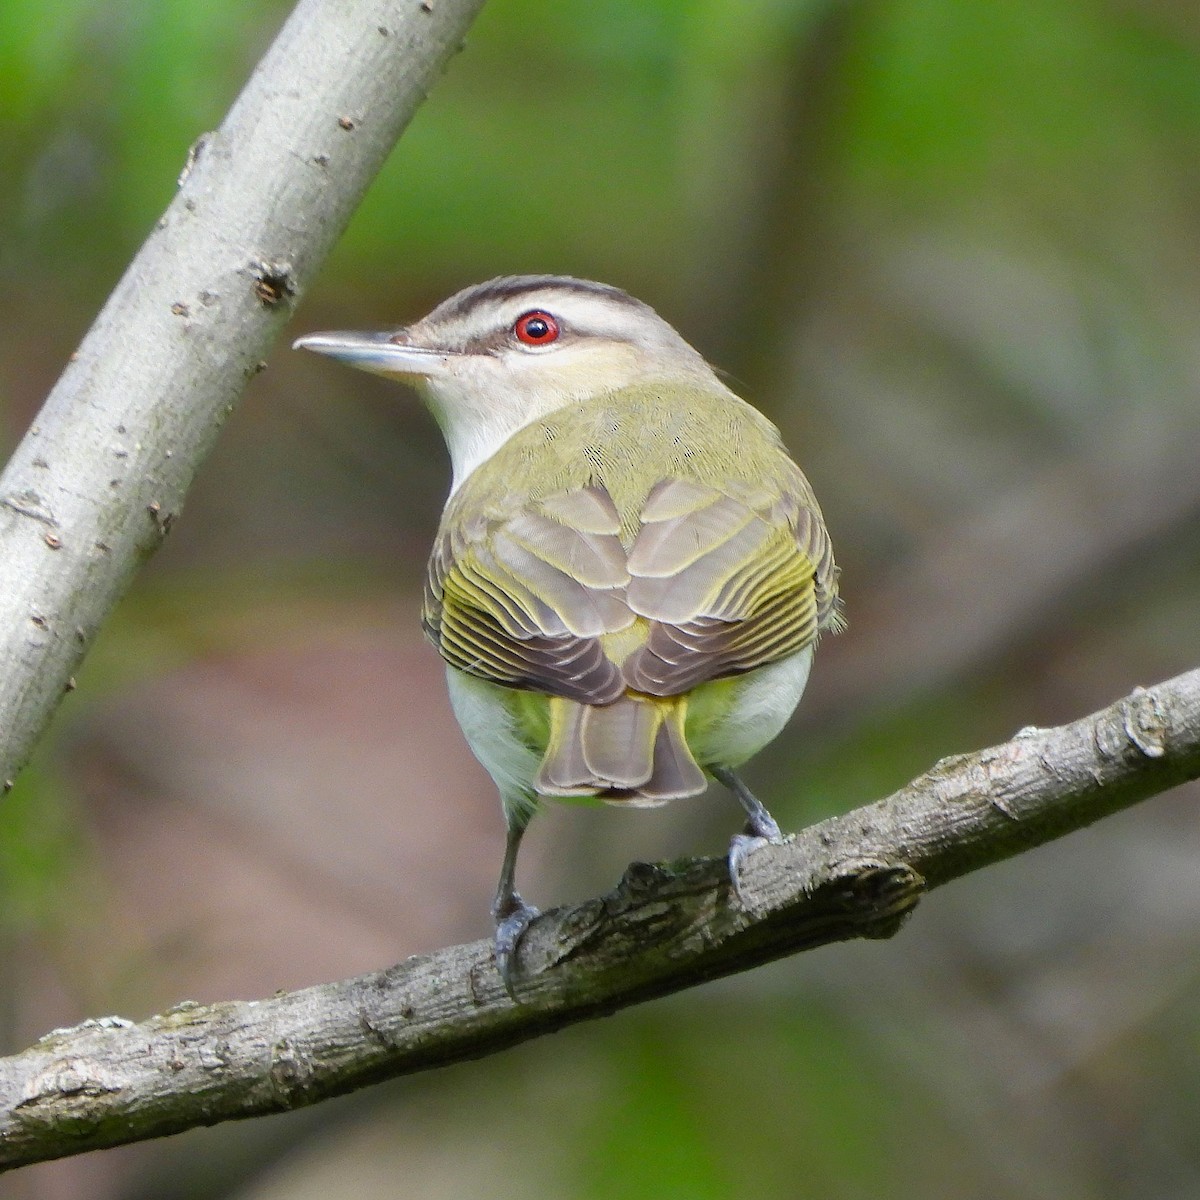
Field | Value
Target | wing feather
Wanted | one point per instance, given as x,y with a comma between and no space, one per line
588,509
664,548
586,612
591,559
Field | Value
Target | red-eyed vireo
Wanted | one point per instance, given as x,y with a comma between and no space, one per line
630,573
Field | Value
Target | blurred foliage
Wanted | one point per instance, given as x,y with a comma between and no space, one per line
951,246
40,844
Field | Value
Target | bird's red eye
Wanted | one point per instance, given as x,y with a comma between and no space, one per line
536,328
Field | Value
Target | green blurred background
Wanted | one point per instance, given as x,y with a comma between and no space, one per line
952,247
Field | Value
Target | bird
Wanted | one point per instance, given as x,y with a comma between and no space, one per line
630,573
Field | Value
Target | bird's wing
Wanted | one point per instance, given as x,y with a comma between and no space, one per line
523,597
721,580
730,579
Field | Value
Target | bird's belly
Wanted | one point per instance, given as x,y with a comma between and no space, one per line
496,722
731,720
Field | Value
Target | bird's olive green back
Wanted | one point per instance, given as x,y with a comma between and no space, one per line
649,540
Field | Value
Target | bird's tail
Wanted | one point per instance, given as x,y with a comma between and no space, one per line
632,751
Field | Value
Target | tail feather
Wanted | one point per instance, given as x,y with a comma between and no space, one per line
564,770
632,751
676,773
618,742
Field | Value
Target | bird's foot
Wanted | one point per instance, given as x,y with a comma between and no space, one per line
761,828
758,833
512,919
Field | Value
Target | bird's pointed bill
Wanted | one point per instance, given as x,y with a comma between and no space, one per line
379,353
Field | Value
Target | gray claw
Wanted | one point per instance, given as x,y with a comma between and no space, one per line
509,929
741,846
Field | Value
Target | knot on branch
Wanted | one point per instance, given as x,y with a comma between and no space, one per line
1144,723
69,1096
273,280
869,899
292,1073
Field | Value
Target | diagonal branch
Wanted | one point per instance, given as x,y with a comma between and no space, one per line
109,1082
98,480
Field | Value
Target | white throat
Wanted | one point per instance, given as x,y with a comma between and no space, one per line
474,431
472,444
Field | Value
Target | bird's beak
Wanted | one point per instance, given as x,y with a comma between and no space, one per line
379,353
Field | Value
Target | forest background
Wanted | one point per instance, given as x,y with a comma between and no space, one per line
953,250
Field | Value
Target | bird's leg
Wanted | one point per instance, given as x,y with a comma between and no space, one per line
512,914
761,827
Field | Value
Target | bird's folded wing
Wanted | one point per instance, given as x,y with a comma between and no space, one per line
720,581
524,597
729,581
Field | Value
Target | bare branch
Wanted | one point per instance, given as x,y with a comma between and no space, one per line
109,1082
100,477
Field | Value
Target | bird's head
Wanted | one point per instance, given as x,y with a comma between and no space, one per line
495,357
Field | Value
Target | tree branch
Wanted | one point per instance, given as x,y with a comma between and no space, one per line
109,1082
100,477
